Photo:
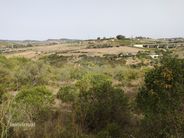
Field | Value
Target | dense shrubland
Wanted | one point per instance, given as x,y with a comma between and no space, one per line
161,100
92,97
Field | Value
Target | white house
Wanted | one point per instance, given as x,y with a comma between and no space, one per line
139,45
154,56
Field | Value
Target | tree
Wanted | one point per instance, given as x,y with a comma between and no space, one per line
100,104
120,37
98,38
161,99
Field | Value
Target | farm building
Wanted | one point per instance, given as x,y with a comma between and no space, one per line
154,56
146,45
139,45
167,46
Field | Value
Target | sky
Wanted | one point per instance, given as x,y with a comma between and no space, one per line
86,19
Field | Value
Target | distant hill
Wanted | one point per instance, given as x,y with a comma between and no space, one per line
5,43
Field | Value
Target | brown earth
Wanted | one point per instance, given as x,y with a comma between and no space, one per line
67,49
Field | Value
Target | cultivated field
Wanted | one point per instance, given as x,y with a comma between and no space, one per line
68,50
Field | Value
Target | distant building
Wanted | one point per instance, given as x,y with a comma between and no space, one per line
139,45
146,45
166,46
154,56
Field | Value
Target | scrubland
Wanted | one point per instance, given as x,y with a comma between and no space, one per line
75,91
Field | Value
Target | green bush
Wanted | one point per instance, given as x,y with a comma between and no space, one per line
99,103
30,102
67,93
5,76
110,131
126,75
32,73
161,99
77,73
56,60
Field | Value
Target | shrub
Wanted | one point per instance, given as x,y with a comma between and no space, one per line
67,93
126,75
31,102
161,99
99,103
77,73
110,131
32,73
56,60
120,37
5,76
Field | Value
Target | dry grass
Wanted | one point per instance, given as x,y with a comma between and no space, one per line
38,51
113,50
70,49
27,54
179,51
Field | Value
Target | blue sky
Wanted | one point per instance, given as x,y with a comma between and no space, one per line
83,19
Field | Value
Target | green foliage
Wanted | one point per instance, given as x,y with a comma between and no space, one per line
77,73
30,102
2,91
120,37
56,60
100,103
160,126
125,75
86,61
98,106
161,98
143,55
18,72
163,87
36,96
67,93
6,78
100,46
32,73
110,131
